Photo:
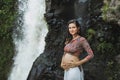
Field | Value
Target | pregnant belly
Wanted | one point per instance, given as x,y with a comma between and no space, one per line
69,57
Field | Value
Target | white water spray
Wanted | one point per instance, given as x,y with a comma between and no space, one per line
34,30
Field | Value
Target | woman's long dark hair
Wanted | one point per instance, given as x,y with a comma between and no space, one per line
69,36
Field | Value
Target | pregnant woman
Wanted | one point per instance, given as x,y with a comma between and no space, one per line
72,51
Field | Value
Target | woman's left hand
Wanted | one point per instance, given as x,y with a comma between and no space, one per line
72,64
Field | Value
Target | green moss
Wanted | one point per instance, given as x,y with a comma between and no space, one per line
105,9
90,33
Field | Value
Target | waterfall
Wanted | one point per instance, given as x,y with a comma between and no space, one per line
34,30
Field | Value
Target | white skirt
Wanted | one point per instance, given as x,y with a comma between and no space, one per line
74,74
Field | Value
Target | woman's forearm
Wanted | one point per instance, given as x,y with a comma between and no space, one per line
80,62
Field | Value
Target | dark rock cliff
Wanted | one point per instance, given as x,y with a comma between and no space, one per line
99,34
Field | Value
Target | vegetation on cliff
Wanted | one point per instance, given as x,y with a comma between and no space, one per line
111,11
7,17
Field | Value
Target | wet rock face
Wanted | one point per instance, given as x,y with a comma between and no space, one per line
63,9
88,13
47,65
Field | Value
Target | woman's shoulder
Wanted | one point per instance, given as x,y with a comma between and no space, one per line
82,38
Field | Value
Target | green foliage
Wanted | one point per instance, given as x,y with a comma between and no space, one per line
6,55
105,9
111,10
112,70
105,48
90,34
7,17
108,70
107,51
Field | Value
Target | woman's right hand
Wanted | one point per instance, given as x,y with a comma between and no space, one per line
65,66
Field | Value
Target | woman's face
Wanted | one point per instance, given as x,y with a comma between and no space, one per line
73,29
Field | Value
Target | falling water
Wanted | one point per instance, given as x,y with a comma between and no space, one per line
34,30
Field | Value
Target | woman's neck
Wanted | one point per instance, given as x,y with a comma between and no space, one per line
75,36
